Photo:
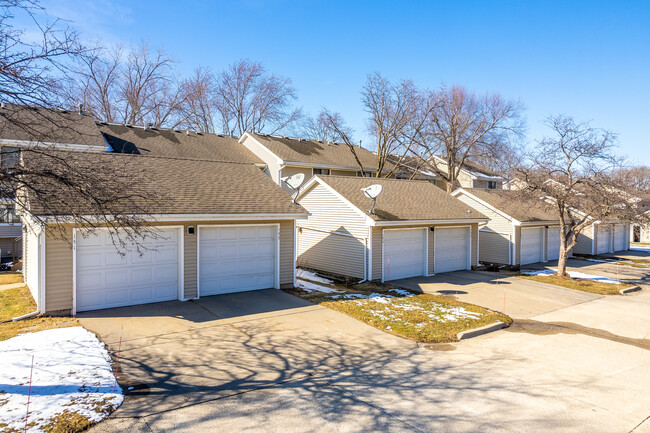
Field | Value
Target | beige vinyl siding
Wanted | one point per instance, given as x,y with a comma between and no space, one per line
272,162
377,246
465,180
290,171
495,246
320,249
58,283
58,270
585,241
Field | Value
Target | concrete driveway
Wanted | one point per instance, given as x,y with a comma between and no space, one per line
176,354
517,297
265,361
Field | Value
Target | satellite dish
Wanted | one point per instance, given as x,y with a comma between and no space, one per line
372,192
294,183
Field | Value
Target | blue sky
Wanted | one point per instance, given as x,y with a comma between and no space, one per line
589,59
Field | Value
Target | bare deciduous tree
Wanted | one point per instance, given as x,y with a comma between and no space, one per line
573,169
200,106
463,126
251,99
326,126
398,114
135,88
31,71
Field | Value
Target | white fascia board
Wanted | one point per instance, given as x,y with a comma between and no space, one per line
330,166
318,180
248,136
540,223
64,146
194,217
486,204
430,222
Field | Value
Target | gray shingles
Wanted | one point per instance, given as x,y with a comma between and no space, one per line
516,204
47,125
402,200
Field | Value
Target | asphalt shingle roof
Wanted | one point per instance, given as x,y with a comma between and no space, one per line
18,122
176,144
181,186
402,200
516,204
316,152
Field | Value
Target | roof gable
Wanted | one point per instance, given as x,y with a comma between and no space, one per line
400,200
314,152
512,204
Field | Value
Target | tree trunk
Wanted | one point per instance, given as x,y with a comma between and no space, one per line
561,262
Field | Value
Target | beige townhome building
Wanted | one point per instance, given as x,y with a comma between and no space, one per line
219,226
471,174
286,156
520,230
414,229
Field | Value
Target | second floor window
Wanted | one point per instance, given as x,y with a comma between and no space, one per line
365,174
8,214
9,156
325,171
492,184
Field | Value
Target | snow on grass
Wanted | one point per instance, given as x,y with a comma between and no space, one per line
308,286
437,313
312,276
642,248
72,373
572,274
379,297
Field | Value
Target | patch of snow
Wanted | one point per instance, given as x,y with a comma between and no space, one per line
72,372
308,286
311,276
597,260
402,292
573,274
641,248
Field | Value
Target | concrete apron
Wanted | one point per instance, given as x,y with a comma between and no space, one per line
175,354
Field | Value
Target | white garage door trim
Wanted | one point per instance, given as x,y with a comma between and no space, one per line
425,255
553,229
622,229
276,262
179,258
521,249
468,250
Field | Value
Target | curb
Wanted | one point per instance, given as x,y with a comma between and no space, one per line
480,331
630,290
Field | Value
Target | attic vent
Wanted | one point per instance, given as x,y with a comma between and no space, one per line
177,130
301,139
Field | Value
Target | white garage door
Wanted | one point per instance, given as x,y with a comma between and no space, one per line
604,239
553,243
532,245
237,259
451,249
404,253
620,237
106,279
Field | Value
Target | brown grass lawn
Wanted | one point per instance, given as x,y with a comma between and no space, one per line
10,277
580,284
19,301
423,317
636,263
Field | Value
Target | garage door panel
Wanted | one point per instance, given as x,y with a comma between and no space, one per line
404,253
236,259
532,245
620,237
604,239
451,249
553,243
107,279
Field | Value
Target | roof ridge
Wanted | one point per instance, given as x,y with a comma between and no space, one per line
159,129
123,155
369,178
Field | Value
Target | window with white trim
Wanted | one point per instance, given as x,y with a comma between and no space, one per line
325,171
